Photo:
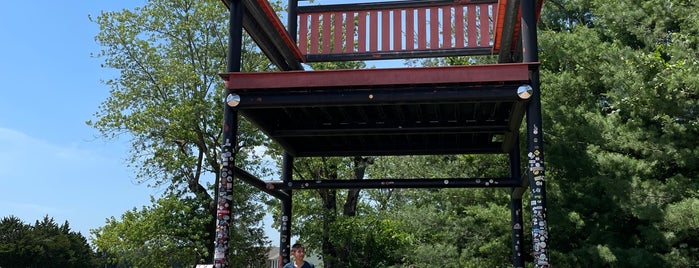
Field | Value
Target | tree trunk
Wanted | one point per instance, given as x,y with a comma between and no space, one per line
360,165
331,256
329,197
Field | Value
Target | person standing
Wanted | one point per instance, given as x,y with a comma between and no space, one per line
298,252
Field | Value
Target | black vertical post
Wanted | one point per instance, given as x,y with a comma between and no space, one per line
292,14
517,232
224,210
535,149
285,232
516,210
235,31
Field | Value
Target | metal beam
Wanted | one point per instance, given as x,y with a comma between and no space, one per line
388,130
259,184
263,26
508,31
487,148
265,100
396,183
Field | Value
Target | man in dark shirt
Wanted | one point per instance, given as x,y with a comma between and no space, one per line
299,252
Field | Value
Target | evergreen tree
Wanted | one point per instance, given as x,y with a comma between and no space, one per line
45,244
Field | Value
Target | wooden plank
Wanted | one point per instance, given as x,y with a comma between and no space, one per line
472,30
459,30
315,33
410,29
337,32
434,28
435,31
397,29
361,29
326,35
373,30
386,30
421,28
303,33
485,25
349,32
446,27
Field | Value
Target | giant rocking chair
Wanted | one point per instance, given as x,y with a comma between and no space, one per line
470,109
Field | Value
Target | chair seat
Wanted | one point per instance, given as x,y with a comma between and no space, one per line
400,111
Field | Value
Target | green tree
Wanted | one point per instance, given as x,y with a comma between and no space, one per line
170,229
620,96
447,227
46,244
15,243
167,100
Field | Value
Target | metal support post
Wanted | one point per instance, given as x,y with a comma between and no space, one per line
516,210
224,210
285,232
292,16
517,233
535,149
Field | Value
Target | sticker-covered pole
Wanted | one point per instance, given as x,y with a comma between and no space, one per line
285,232
517,232
224,198
516,218
535,148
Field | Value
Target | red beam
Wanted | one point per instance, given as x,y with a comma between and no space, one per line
380,77
283,34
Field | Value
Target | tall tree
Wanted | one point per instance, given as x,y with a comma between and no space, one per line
45,244
167,99
15,245
620,95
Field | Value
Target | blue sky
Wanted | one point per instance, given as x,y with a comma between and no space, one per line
51,162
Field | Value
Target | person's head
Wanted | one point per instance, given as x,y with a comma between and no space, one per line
298,251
